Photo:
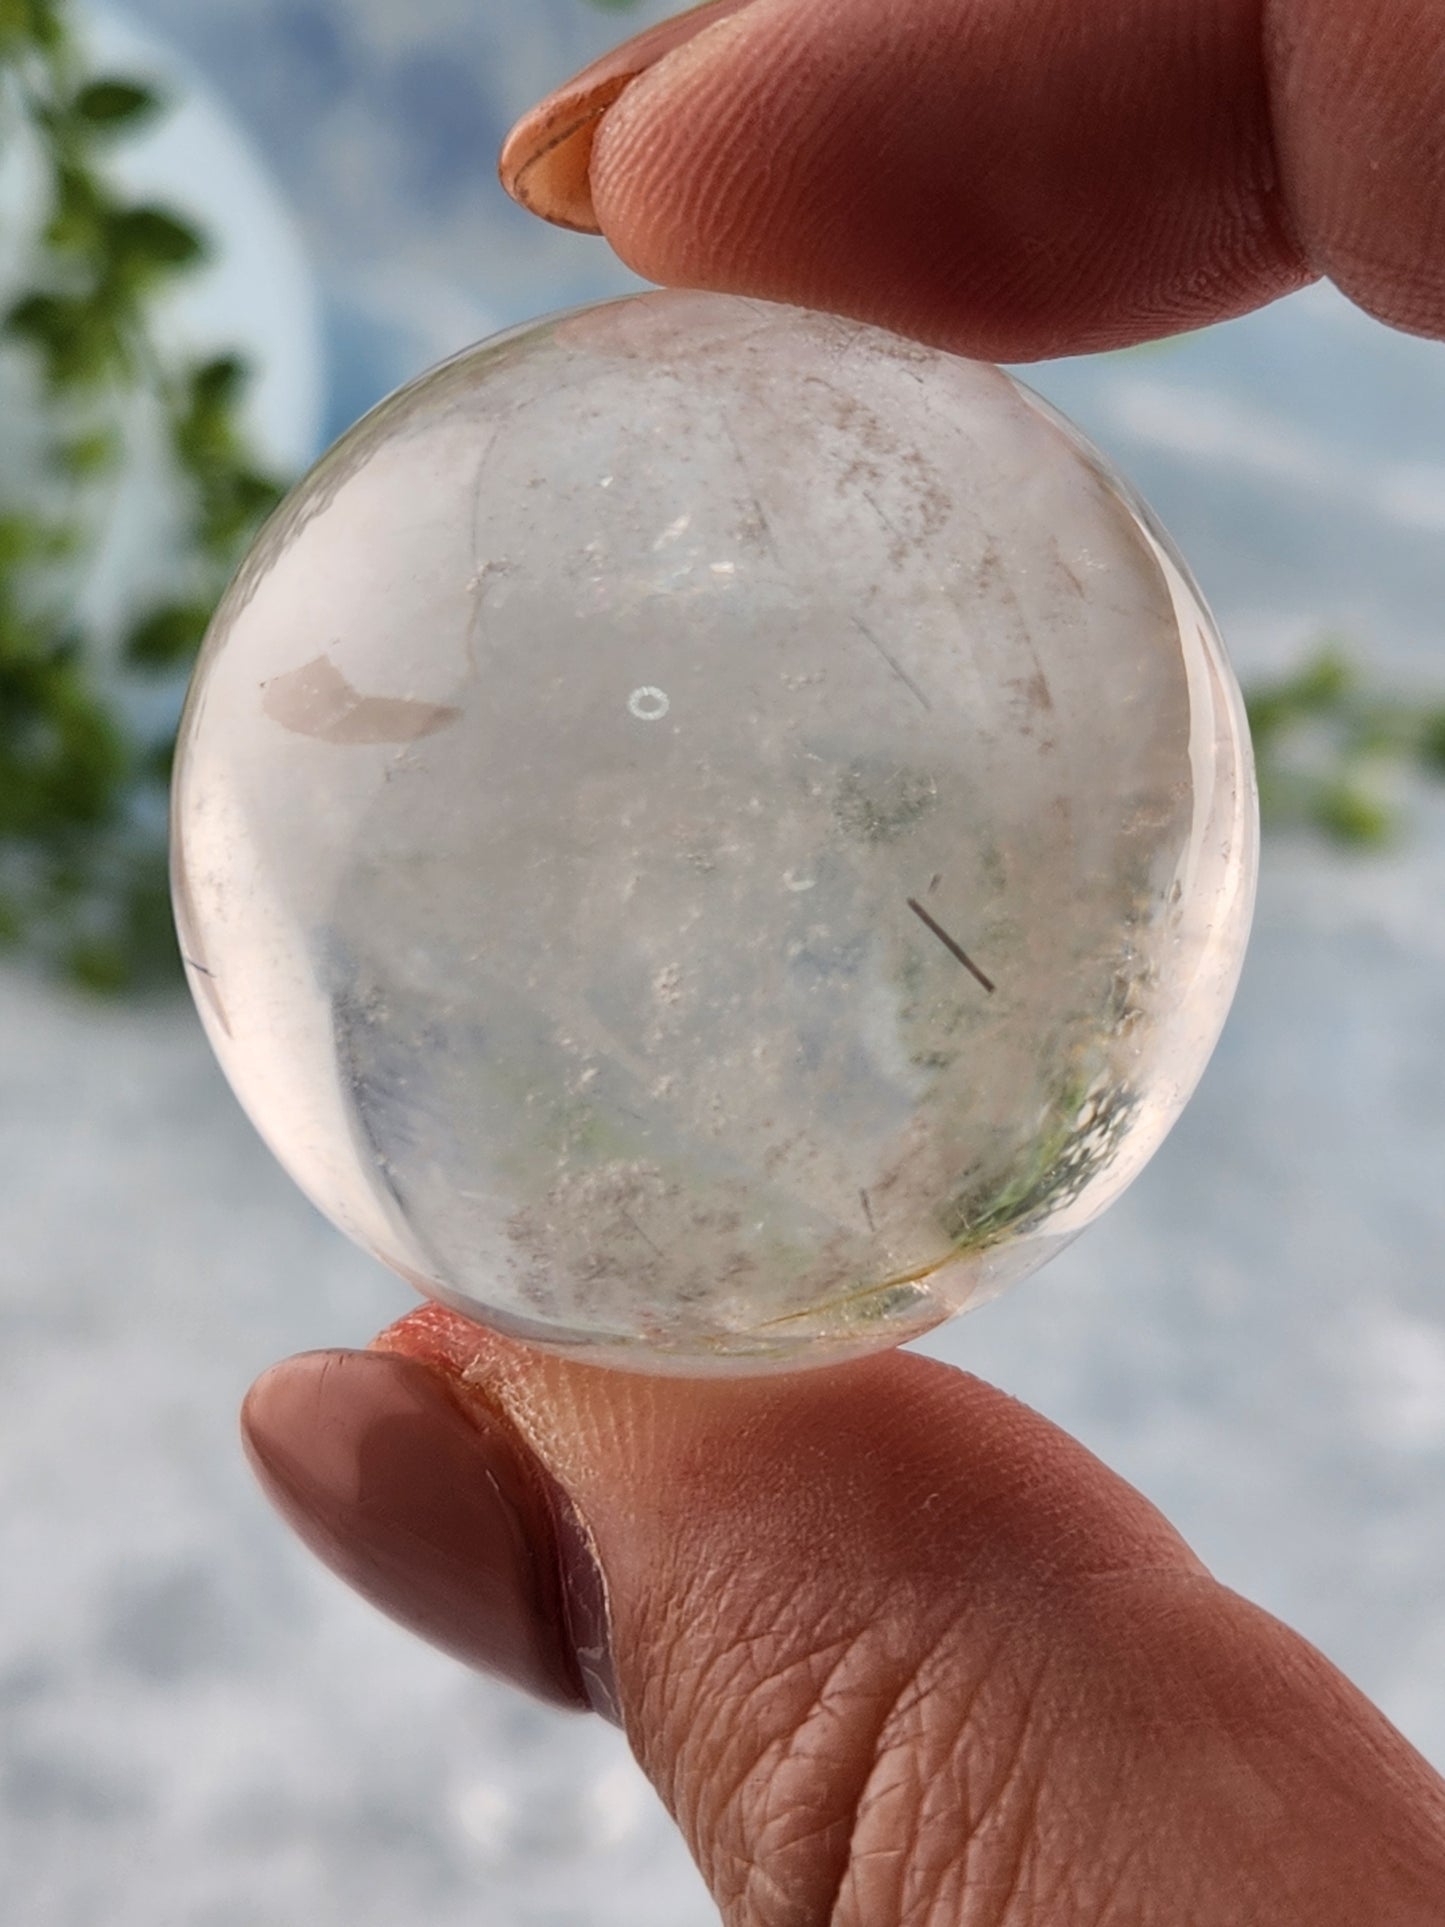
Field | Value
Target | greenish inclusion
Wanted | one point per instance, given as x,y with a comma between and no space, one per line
1084,1130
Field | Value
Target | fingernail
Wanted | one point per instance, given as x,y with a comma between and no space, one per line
437,1515
546,159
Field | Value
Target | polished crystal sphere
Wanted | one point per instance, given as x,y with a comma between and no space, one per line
711,836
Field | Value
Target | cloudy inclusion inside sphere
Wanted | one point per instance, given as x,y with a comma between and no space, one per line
712,836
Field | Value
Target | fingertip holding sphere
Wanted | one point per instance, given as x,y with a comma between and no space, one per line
546,160
711,837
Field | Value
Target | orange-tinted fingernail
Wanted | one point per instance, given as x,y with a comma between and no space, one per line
546,159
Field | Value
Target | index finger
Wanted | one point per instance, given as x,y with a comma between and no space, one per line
1013,178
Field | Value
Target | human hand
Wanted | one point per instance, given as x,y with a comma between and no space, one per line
894,1650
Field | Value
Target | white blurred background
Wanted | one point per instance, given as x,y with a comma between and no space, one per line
200,1729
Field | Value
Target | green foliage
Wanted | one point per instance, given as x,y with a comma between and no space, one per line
30,24
82,784
1330,749
169,637
111,103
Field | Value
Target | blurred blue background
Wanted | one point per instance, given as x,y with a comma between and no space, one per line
196,1726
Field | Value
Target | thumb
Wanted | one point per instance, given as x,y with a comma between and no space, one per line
891,1647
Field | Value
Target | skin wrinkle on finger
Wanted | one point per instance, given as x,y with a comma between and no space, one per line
982,1789
995,1768
905,1866
1000,1876
852,1713
841,1706
777,1825
768,1706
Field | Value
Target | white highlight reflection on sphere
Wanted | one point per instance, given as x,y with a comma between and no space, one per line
712,837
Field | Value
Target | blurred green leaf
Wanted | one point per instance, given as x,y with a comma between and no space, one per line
1318,729
76,337
25,24
23,642
218,384
99,965
1324,681
147,241
1317,688
148,924
42,318
235,506
168,637
111,103
27,538
78,211
1350,814
158,763
82,860
63,760
85,456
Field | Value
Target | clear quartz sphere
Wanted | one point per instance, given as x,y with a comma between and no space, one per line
711,836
